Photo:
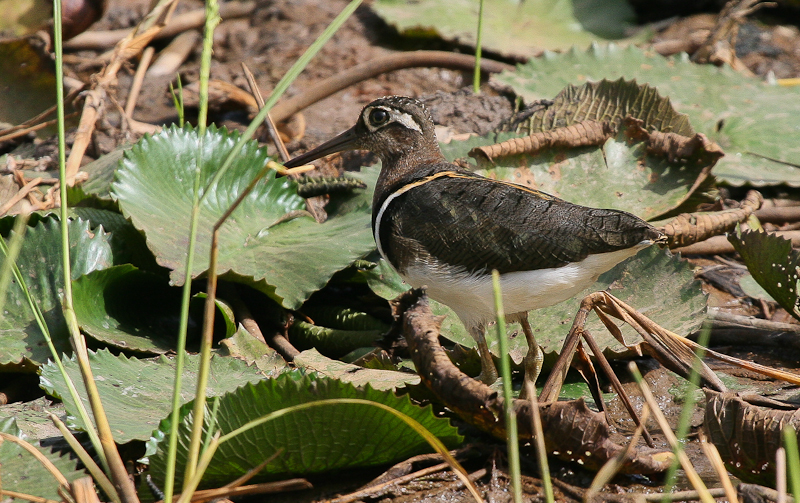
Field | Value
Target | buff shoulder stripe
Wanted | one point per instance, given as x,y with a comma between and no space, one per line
454,174
442,174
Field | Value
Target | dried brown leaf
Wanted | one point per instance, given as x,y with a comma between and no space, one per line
748,435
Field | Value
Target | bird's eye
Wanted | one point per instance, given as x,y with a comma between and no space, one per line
378,117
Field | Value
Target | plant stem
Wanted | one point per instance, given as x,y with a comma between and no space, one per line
212,20
684,421
283,85
512,439
792,459
113,462
476,79
280,88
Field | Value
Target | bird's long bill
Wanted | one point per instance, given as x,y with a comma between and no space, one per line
345,141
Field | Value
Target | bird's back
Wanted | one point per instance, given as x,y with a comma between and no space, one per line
450,229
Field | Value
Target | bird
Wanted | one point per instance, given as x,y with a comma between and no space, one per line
446,228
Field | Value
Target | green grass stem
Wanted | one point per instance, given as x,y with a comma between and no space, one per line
684,421
512,437
67,296
476,78
212,21
282,86
792,459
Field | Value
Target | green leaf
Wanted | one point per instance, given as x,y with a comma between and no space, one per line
656,283
32,419
313,440
145,386
312,360
773,264
247,348
288,259
753,122
21,472
331,341
127,243
622,173
129,309
39,261
518,29
100,175
605,101
751,287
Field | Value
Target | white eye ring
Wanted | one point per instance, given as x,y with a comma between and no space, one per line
378,117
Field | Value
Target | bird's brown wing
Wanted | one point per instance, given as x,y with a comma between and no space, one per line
483,224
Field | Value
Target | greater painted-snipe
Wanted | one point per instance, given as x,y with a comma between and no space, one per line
446,228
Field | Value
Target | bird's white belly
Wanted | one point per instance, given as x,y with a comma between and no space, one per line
472,298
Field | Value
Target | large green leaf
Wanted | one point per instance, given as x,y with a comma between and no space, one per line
22,473
623,173
655,282
128,308
313,440
39,261
754,123
774,264
520,29
286,258
144,386
619,175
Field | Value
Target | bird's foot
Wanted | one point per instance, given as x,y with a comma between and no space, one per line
488,376
533,367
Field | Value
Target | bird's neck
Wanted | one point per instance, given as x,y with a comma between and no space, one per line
400,169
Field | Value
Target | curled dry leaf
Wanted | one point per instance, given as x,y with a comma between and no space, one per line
689,228
572,431
675,147
747,432
583,134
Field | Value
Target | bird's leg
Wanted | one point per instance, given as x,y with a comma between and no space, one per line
533,360
488,373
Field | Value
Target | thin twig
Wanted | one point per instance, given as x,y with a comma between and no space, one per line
378,489
711,452
254,471
138,78
268,122
379,66
16,133
716,492
686,464
97,472
101,40
719,244
718,315
613,465
27,497
19,195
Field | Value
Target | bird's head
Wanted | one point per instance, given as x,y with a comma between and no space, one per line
392,128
